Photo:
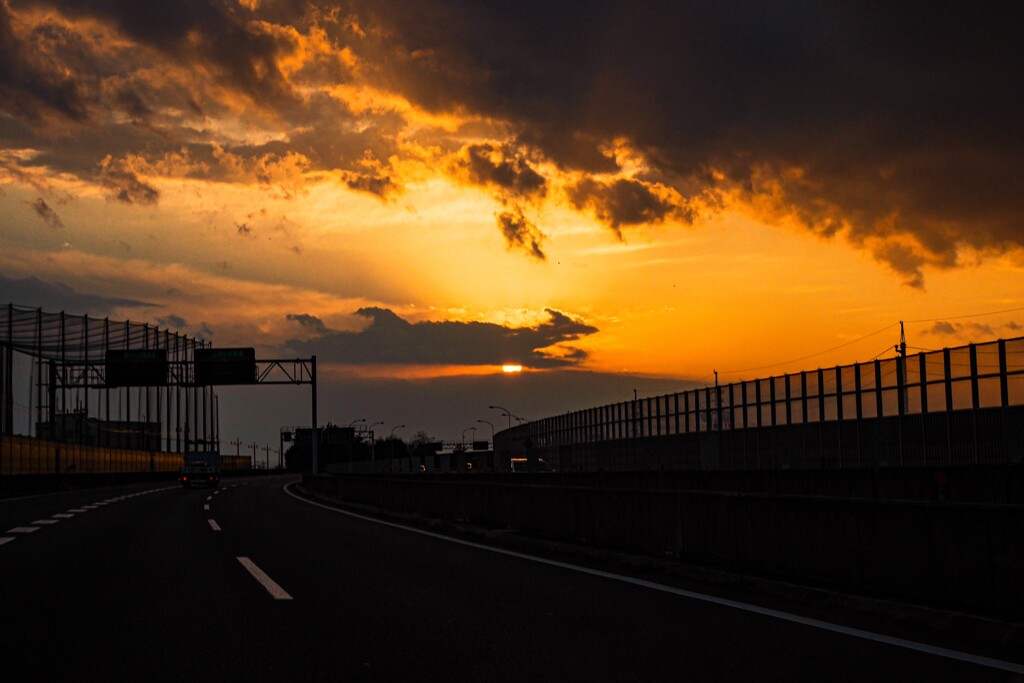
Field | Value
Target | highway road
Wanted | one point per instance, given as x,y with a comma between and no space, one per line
156,582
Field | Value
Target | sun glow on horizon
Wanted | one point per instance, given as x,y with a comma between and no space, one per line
511,368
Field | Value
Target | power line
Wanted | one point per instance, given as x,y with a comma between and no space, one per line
814,355
972,315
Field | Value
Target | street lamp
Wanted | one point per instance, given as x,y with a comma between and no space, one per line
353,422
491,424
490,456
508,414
373,442
473,429
391,448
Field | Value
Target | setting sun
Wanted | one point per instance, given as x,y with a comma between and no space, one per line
511,368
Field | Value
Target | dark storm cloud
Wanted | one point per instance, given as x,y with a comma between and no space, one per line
500,166
55,296
215,33
46,214
520,233
27,88
310,322
904,261
621,202
372,183
175,321
968,330
515,184
878,118
124,185
391,340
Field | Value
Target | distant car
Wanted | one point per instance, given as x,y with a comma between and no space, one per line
520,465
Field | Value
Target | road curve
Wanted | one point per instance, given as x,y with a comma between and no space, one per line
159,582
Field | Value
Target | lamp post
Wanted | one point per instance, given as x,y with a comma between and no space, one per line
353,422
491,425
373,445
508,414
467,429
391,447
490,456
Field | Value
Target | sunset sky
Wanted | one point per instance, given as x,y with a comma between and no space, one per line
614,195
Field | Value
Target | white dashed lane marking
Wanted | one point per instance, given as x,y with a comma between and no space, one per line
214,525
54,519
206,506
268,583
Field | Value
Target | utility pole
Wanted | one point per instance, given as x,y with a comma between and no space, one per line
254,446
266,450
237,443
901,351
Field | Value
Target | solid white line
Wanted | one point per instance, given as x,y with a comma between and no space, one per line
23,530
755,609
46,521
6,539
214,525
265,581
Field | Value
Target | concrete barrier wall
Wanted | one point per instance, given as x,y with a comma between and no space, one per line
987,484
967,556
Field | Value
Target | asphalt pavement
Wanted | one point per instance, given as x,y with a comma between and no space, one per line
252,582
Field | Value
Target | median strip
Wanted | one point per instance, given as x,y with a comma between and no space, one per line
268,583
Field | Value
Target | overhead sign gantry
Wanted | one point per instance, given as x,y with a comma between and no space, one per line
209,367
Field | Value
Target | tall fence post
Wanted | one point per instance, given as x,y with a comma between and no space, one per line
1004,384
947,380
972,350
